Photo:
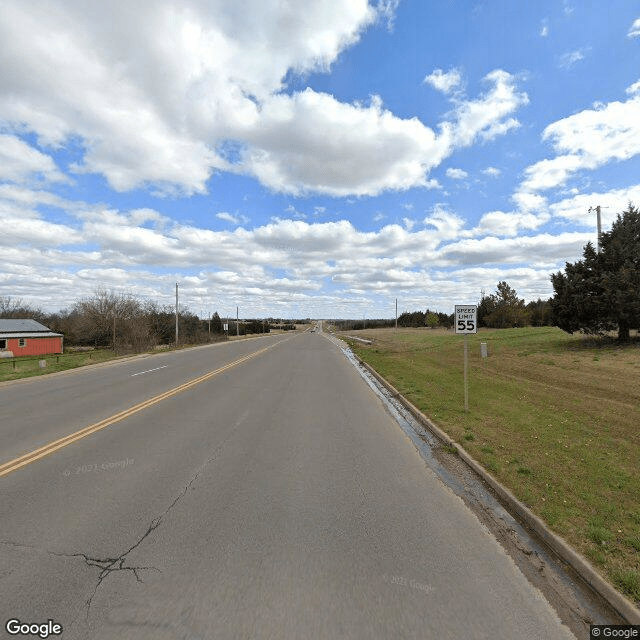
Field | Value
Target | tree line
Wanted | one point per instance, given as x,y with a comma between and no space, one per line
124,323
595,295
499,310
504,309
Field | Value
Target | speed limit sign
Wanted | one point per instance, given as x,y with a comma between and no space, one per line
466,318
466,322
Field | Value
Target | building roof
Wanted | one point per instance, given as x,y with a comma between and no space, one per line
22,326
32,334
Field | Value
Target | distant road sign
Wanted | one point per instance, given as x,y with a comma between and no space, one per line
466,318
225,327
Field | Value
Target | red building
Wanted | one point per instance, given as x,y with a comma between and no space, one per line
27,338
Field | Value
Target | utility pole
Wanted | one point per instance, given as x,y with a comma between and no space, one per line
237,321
597,210
176,314
396,314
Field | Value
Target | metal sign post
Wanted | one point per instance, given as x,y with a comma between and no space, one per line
466,319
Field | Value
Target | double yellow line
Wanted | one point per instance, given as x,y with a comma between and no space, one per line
28,458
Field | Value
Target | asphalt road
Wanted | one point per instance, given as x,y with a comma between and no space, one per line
274,499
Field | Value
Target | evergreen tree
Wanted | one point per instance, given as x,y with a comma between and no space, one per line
502,309
601,292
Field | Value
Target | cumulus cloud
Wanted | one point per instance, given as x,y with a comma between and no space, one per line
488,116
20,162
492,172
234,219
449,226
587,140
161,96
456,174
501,223
634,30
280,264
445,81
311,142
634,89
490,250
576,208
153,93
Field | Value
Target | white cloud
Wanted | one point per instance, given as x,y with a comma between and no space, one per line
488,116
20,162
515,250
634,30
228,217
634,89
164,95
456,174
613,202
529,202
492,172
544,29
589,139
500,223
547,174
449,226
387,10
310,142
323,264
152,94
448,82
570,58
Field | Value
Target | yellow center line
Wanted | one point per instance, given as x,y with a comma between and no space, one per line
28,458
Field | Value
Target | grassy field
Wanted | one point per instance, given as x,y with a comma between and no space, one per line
554,417
14,368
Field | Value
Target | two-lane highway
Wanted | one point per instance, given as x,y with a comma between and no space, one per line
35,411
274,499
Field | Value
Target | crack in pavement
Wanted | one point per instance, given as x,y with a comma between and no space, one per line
108,566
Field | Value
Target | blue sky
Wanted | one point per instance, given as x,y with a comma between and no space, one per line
309,158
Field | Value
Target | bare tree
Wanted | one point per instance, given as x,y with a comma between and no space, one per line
15,308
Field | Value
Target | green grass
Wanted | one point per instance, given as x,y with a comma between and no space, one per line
554,417
29,366
633,542
628,581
